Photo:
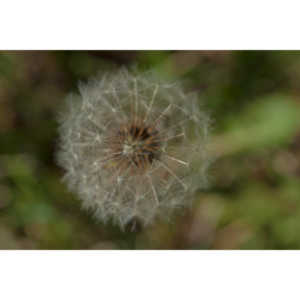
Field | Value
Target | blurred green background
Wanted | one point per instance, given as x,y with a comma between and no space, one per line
253,201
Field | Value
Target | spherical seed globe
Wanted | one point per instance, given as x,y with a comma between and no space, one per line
133,147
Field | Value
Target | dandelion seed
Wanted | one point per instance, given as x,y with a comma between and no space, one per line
133,149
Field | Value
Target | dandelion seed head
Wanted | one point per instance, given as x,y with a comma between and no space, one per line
132,147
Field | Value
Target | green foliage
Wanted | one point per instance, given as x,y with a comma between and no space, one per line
268,122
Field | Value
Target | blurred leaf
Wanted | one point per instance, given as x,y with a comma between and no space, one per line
267,122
